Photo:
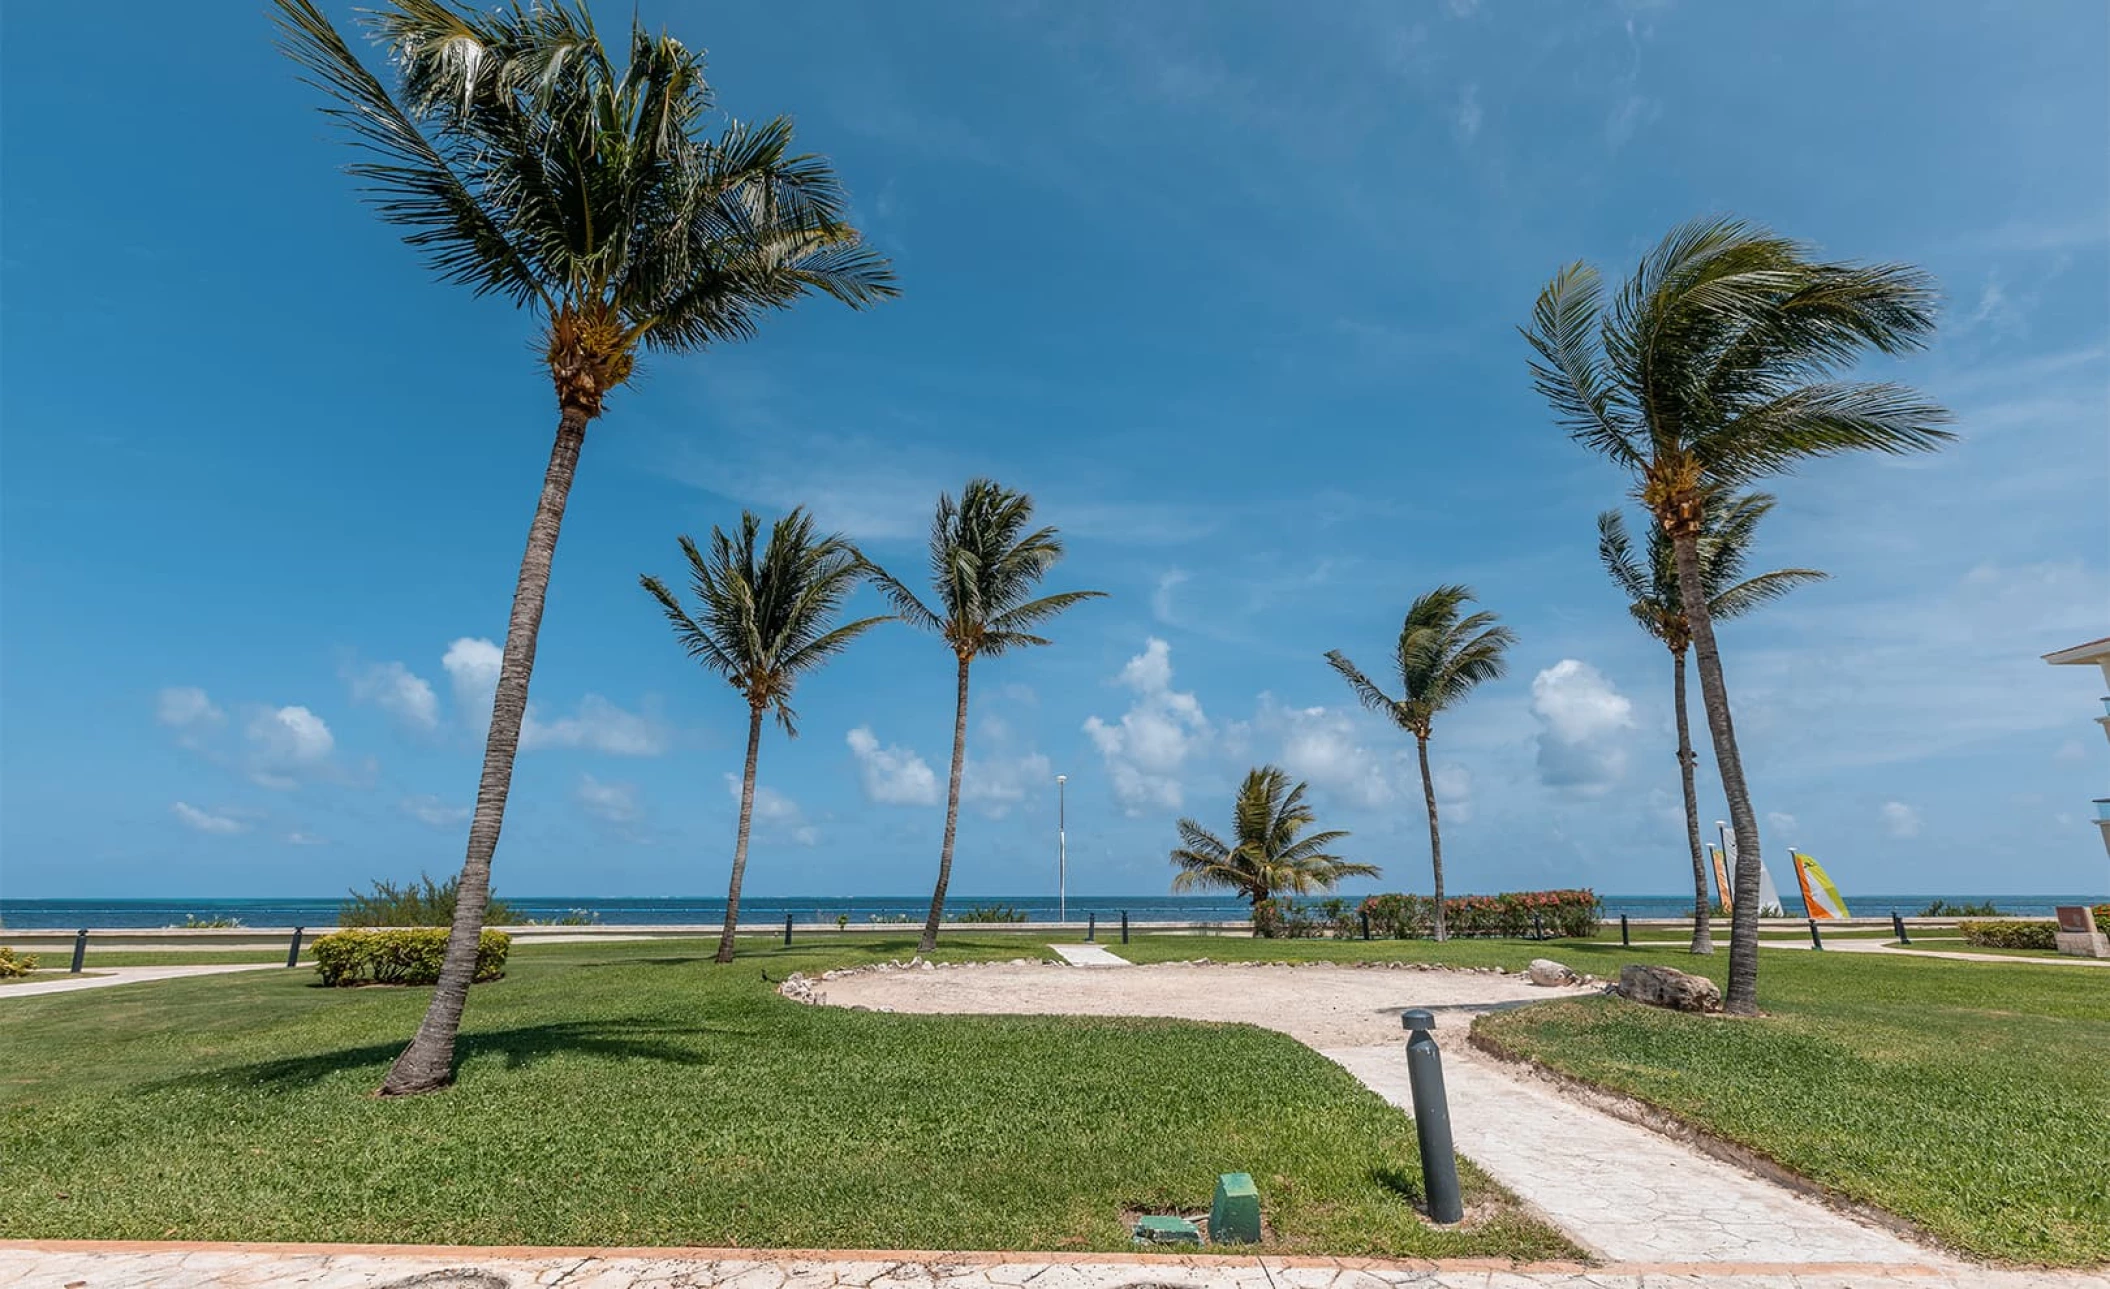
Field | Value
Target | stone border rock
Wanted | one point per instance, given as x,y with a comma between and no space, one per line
1667,1123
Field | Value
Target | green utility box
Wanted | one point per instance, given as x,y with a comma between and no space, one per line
1234,1218
1167,1230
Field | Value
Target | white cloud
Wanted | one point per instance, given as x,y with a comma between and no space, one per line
892,775
431,811
1467,115
775,811
1454,791
1900,819
305,839
597,725
999,783
207,822
286,744
1780,821
185,707
1161,598
1146,749
614,803
397,690
1325,747
1582,723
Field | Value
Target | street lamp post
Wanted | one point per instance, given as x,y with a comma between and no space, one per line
1062,851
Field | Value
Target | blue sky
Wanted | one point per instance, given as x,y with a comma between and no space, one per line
1232,289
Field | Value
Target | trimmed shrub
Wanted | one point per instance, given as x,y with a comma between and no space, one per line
13,965
1560,914
2024,935
405,957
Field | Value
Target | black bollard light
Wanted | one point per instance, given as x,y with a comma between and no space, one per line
1816,936
1124,926
1538,929
80,948
1432,1118
1091,927
1623,940
1366,924
787,930
293,950
1897,924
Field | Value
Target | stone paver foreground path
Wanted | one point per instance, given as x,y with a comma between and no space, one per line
1090,955
29,1265
1625,1193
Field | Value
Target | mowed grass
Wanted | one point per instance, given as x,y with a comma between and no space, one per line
624,1094
1972,1099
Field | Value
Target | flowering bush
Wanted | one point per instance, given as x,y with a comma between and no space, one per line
1512,915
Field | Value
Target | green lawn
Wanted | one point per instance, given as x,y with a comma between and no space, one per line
636,1094
1972,1099
1958,945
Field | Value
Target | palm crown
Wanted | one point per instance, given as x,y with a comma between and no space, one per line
1650,580
763,614
985,562
1716,363
524,162
1268,855
1441,656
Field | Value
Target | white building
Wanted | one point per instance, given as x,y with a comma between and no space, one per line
2096,653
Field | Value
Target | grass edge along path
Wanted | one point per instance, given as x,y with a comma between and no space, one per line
635,1094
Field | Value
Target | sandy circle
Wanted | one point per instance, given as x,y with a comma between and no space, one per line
1323,1006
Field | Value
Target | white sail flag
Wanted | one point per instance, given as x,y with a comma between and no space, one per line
1768,894
1819,896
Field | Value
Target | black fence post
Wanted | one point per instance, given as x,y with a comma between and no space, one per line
1432,1119
1124,926
1897,924
293,951
1538,929
1091,927
80,948
787,930
1816,936
1366,924
1623,940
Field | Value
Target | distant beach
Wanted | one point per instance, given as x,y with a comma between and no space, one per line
861,910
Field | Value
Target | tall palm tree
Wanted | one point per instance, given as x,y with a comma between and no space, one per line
985,561
763,623
1715,367
1440,658
523,162
1266,856
1651,585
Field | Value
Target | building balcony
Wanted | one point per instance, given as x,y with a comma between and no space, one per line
2102,810
2106,708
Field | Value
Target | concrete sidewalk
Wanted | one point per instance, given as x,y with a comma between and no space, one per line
104,977
56,1265
1090,955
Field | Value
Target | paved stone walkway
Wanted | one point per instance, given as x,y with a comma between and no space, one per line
27,1265
1625,1193
104,977
1090,955
1884,947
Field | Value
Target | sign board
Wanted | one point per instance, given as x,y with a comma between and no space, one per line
2075,917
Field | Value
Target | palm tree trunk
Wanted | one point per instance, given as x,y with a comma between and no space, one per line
1742,996
952,817
1428,795
747,814
1702,906
428,1063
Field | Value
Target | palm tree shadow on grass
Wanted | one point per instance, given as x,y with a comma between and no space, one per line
517,1048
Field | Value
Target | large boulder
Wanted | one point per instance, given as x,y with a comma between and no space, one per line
1545,971
1669,987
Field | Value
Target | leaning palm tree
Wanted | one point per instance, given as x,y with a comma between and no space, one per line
523,162
1440,657
1266,855
1715,367
985,560
764,621
1651,585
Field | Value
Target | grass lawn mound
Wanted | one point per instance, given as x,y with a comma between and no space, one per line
637,1094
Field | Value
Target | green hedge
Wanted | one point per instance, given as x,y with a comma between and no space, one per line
410,957
2024,935
1510,915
